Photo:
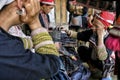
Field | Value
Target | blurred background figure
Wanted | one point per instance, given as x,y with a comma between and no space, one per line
46,7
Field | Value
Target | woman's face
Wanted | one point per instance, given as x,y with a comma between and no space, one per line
47,8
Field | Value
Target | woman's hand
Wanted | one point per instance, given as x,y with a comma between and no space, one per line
30,16
101,49
19,4
99,27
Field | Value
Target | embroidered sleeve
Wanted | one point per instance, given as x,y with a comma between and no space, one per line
43,42
28,44
101,52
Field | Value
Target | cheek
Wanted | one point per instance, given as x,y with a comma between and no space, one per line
16,17
46,10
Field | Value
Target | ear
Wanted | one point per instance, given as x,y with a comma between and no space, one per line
19,3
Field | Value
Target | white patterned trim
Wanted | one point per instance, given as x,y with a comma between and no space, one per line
38,30
43,44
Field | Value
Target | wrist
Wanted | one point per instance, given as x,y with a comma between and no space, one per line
100,36
35,24
100,42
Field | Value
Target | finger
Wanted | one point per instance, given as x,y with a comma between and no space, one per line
28,7
36,5
32,8
19,4
23,17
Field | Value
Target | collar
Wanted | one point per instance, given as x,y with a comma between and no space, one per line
3,32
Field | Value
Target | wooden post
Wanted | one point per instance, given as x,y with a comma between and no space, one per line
63,12
57,11
60,11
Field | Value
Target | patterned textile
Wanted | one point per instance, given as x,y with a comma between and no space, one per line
17,31
40,36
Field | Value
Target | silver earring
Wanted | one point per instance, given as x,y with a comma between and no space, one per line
21,11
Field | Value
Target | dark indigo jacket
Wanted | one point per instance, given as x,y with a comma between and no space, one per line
16,63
